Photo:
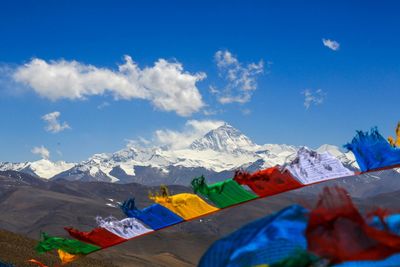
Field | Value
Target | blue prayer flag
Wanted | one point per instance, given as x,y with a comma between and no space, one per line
372,151
154,216
265,241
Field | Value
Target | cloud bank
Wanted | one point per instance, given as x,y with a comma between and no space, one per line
193,130
182,139
166,85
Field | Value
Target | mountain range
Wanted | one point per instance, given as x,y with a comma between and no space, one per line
216,155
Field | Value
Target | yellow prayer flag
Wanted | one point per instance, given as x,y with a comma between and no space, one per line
188,206
65,257
395,141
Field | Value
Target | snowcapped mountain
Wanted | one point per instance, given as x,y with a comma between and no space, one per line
225,139
42,168
217,155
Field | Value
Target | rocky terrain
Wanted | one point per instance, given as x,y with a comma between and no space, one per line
29,205
16,249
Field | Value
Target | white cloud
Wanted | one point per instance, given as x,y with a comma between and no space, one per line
331,44
316,98
225,59
103,105
210,112
53,124
139,142
8,85
213,90
166,85
41,151
246,111
241,80
193,130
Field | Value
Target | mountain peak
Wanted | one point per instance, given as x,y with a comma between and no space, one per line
43,168
224,139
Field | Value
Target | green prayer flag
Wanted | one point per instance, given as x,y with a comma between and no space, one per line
71,246
222,194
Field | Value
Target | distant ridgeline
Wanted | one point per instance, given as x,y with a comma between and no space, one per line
371,150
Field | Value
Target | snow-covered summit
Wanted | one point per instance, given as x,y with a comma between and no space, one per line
224,139
43,168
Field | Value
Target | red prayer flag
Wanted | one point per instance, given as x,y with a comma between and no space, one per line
268,182
338,232
98,236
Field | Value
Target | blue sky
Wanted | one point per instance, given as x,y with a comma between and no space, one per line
358,83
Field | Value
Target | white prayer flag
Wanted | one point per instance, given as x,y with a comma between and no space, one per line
310,167
126,228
